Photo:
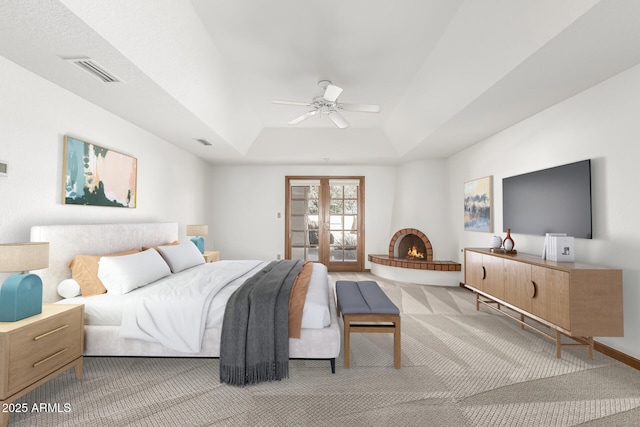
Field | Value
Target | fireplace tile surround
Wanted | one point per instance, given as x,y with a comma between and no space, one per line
395,259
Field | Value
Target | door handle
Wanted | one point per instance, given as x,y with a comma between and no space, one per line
484,273
534,289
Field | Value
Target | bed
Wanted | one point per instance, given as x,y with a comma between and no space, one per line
102,328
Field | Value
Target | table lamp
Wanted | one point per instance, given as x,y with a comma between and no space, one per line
21,294
198,231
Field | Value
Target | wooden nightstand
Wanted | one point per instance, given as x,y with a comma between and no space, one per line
211,256
37,349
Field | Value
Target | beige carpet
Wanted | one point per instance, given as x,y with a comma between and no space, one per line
460,367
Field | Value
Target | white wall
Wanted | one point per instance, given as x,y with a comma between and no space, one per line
602,124
247,200
249,197
421,196
34,117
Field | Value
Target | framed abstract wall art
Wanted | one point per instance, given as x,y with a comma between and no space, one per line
98,176
478,201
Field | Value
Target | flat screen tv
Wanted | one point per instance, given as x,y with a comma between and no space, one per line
555,200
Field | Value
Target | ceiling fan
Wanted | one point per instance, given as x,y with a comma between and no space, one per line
326,102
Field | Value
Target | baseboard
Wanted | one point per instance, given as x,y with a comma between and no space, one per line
617,354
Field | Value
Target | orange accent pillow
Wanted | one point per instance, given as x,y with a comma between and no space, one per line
175,242
297,297
84,269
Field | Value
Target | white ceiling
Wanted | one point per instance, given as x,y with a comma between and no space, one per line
447,73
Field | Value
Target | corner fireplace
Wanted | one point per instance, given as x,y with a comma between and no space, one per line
411,244
402,246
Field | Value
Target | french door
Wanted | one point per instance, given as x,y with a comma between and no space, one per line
324,221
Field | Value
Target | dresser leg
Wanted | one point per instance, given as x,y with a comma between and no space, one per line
558,345
4,418
78,368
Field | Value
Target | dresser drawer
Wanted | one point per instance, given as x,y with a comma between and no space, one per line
43,347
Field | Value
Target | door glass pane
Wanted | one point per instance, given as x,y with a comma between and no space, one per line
350,206
336,238
298,207
350,191
312,206
312,254
343,223
305,222
297,222
297,253
297,238
336,206
297,192
350,255
335,222
350,222
336,192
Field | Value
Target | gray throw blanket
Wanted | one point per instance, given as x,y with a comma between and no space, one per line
254,345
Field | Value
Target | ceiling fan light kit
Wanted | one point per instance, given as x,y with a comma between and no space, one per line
326,102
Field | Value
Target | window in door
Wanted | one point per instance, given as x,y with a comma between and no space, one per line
304,221
324,221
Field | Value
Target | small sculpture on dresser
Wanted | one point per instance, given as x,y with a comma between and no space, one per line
508,242
496,242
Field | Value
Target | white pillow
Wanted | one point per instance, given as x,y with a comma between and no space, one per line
69,288
122,274
182,256
315,314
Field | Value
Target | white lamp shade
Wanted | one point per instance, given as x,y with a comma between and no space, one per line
27,256
197,230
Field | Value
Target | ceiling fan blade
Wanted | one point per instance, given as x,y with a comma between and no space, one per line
331,93
305,116
301,104
338,119
363,108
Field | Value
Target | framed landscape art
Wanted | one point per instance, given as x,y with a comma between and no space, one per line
478,205
98,176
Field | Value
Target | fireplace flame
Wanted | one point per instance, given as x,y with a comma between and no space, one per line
413,253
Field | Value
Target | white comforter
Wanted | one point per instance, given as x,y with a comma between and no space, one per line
176,314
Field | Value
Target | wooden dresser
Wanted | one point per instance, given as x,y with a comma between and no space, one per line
38,348
573,299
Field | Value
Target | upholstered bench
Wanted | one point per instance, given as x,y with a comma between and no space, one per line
364,301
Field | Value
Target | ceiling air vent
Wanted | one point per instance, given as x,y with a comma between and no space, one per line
95,69
203,141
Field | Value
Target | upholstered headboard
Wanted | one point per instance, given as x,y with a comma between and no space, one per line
67,241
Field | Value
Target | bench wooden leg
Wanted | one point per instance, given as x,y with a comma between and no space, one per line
395,329
347,332
397,352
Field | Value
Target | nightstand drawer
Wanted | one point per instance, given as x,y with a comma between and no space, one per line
42,347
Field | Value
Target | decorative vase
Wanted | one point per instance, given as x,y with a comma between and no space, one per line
508,242
496,242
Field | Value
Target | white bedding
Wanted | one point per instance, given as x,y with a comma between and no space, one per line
103,313
132,311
